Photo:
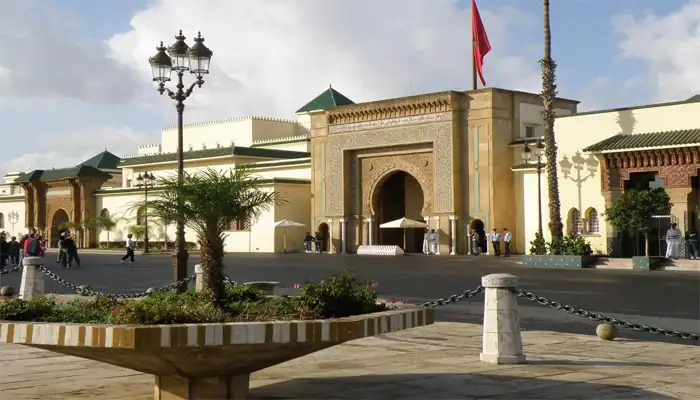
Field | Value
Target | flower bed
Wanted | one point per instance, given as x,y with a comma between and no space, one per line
342,295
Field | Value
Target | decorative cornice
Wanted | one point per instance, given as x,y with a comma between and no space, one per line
393,108
652,158
227,120
286,139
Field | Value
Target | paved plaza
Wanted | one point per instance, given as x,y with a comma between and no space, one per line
435,362
660,298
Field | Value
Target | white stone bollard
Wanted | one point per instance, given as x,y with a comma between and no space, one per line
199,278
502,341
32,285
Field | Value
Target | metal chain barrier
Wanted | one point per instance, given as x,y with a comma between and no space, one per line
583,313
90,292
467,294
11,270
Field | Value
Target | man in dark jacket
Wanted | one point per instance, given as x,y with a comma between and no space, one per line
71,252
14,251
691,238
4,250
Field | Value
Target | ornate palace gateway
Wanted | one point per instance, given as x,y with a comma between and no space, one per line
438,157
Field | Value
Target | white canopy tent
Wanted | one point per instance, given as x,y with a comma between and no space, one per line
285,223
403,223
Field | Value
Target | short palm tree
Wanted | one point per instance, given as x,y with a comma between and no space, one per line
549,94
211,200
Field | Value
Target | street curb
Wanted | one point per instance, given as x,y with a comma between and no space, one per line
603,268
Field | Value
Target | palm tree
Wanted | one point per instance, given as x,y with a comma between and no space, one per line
211,200
107,223
549,93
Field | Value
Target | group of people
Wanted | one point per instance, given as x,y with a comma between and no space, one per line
479,245
13,251
67,250
430,242
317,240
674,241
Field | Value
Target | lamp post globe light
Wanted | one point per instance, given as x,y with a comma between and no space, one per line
145,181
180,58
536,155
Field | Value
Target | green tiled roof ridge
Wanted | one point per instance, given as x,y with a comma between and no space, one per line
103,160
217,152
679,137
60,173
330,98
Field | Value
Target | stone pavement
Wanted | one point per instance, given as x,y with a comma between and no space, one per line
437,362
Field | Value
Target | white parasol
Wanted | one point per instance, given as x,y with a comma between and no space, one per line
403,223
285,223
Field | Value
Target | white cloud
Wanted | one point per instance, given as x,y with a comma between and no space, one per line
668,45
39,50
272,56
72,148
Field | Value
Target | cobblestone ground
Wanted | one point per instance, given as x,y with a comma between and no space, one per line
437,362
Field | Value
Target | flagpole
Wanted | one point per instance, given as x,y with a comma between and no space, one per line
474,85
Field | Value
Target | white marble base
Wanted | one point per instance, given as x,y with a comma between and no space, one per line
380,250
32,285
496,359
199,278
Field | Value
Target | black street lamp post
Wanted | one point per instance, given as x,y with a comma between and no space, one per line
145,181
538,155
180,58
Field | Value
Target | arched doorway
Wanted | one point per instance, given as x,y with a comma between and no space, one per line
399,195
325,236
478,226
59,221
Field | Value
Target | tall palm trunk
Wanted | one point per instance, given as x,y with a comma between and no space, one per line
212,259
549,93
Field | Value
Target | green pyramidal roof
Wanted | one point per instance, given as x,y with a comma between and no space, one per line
104,160
330,98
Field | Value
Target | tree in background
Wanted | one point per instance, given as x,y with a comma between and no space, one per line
138,231
549,94
634,209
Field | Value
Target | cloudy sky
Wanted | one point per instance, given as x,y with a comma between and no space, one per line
74,77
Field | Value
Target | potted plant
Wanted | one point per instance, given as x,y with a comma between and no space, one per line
633,212
573,251
205,344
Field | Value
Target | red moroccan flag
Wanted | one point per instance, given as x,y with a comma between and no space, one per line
480,42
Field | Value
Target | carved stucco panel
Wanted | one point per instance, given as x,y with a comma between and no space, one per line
375,169
440,134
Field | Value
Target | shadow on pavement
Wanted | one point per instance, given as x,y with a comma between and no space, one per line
584,327
446,386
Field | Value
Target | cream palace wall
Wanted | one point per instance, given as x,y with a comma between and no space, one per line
576,132
10,204
262,237
243,131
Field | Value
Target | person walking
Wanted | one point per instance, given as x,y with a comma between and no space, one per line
433,240
496,242
130,245
673,242
476,248
507,237
691,237
317,242
61,258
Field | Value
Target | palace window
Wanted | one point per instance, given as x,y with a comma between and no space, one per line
574,225
592,222
529,131
240,225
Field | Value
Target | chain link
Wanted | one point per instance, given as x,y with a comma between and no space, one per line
11,270
467,294
593,316
89,292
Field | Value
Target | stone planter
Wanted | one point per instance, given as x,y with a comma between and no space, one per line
559,261
644,263
206,361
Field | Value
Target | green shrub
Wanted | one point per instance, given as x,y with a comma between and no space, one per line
539,245
339,296
574,245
